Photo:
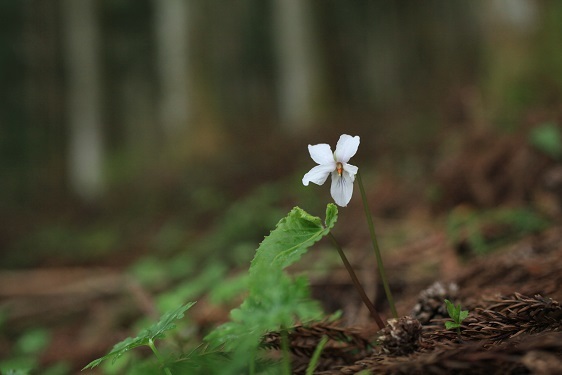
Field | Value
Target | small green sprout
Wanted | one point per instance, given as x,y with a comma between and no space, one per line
456,314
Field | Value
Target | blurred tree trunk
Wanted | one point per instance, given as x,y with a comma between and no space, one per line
510,40
44,145
136,96
171,24
83,98
296,65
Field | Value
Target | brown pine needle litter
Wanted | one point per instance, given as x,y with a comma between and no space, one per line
517,332
513,334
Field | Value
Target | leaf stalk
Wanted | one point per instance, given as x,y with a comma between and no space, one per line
159,357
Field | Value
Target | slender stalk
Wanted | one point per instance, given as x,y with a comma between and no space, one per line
356,283
380,265
159,356
252,364
316,356
285,349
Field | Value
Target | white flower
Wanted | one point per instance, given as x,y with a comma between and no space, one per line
343,174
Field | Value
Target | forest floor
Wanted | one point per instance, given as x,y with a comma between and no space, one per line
514,324
513,327
511,289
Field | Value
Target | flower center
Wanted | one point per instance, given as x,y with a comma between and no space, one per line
339,168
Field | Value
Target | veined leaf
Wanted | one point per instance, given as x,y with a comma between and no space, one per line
456,313
275,299
293,235
156,331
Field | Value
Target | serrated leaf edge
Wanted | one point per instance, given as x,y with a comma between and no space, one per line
141,340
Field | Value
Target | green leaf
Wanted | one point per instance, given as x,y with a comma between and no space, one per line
452,325
166,323
463,315
293,235
451,309
331,215
156,331
275,299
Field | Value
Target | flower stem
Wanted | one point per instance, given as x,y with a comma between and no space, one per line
159,356
356,283
380,265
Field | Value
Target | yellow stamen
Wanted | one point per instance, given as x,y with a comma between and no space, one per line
339,168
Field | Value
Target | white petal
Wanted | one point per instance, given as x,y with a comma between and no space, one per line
318,174
351,169
321,153
347,147
342,188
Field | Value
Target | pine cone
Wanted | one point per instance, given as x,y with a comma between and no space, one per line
431,302
400,336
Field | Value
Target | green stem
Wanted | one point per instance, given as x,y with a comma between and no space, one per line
286,353
159,356
252,364
357,284
316,356
380,265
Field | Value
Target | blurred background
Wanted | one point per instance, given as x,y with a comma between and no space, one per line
135,132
